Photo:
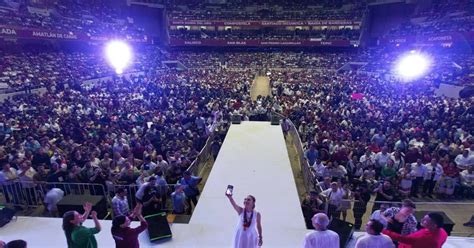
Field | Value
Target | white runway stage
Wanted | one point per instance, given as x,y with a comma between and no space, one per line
254,159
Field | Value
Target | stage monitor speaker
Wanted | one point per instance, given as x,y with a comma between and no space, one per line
76,202
236,119
158,227
344,229
275,120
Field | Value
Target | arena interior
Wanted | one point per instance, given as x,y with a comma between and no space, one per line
359,111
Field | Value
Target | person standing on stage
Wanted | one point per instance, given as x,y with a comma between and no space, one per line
249,228
78,236
374,237
124,236
432,235
322,236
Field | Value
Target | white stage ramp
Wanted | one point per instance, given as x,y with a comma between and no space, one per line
255,160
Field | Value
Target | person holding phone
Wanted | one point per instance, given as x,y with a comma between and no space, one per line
249,227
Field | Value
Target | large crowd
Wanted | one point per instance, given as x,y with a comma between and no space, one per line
442,17
96,19
278,10
266,34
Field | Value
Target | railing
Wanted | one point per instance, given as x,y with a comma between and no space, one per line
291,134
31,195
22,195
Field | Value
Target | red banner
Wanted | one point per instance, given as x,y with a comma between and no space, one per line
264,23
438,39
260,43
28,33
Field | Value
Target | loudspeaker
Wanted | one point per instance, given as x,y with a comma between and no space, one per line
344,229
236,119
75,203
158,227
275,120
6,215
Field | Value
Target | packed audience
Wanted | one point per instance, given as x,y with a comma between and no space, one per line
442,17
49,68
117,132
365,134
94,19
266,34
278,10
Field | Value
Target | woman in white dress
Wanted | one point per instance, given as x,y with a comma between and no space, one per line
249,227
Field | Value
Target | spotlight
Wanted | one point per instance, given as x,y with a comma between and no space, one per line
118,54
412,66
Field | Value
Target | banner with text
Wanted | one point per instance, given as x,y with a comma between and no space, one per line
260,43
437,39
28,33
264,23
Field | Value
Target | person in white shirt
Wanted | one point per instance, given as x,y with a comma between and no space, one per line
334,196
321,237
161,163
419,172
378,214
381,159
464,160
434,172
148,165
8,177
374,238
51,199
417,143
26,174
367,159
318,168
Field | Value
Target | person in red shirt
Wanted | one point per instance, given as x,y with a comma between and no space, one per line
124,236
432,235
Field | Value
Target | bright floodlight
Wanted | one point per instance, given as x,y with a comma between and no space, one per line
412,66
119,55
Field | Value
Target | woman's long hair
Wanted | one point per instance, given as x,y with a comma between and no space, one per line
68,226
117,221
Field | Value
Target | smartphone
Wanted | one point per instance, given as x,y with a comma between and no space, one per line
229,190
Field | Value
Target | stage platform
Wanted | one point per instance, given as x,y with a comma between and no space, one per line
47,232
254,159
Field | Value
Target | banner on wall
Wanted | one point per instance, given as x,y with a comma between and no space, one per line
260,43
437,39
28,33
264,23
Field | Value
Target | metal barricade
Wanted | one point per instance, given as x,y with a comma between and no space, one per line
22,194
